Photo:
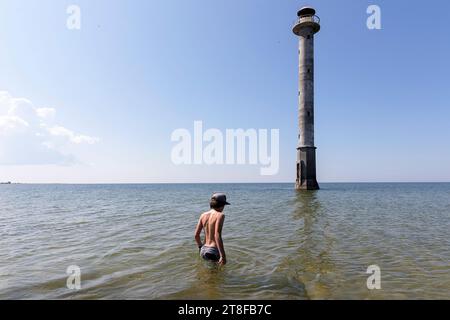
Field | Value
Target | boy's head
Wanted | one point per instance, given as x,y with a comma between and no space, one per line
218,201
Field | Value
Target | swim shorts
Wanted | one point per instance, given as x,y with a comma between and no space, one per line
210,253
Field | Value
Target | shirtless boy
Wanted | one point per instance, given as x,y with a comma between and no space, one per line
212,222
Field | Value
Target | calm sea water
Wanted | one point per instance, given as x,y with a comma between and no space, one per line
136,241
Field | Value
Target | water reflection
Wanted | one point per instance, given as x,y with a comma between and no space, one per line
311,263
207,282
210,278
306,205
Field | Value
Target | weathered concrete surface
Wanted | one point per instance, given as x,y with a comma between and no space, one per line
305,29
306,169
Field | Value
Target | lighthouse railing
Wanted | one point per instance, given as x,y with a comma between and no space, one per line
313,19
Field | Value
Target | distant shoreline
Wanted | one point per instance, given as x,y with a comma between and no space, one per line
211,183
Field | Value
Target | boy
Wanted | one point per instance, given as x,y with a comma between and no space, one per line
212,222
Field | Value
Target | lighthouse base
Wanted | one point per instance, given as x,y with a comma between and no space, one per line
306,169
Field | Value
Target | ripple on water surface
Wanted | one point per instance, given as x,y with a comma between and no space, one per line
132,241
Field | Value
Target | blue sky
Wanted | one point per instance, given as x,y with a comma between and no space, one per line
110,95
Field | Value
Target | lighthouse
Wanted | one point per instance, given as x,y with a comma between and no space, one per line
305,27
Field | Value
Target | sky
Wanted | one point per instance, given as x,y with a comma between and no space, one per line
100,104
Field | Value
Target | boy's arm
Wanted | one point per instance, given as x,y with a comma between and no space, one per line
198,231
218,238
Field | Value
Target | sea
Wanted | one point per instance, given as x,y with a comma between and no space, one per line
345,241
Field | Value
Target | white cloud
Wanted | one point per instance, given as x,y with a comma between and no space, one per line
11,123
46,113
59,131
29,136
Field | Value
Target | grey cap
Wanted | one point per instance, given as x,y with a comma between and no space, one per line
220,198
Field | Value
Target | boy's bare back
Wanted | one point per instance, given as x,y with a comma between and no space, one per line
210,221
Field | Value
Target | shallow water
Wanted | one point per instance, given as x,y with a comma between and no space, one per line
136,241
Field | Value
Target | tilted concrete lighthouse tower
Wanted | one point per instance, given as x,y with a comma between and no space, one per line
305,27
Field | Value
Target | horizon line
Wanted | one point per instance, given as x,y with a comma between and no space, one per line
189,183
